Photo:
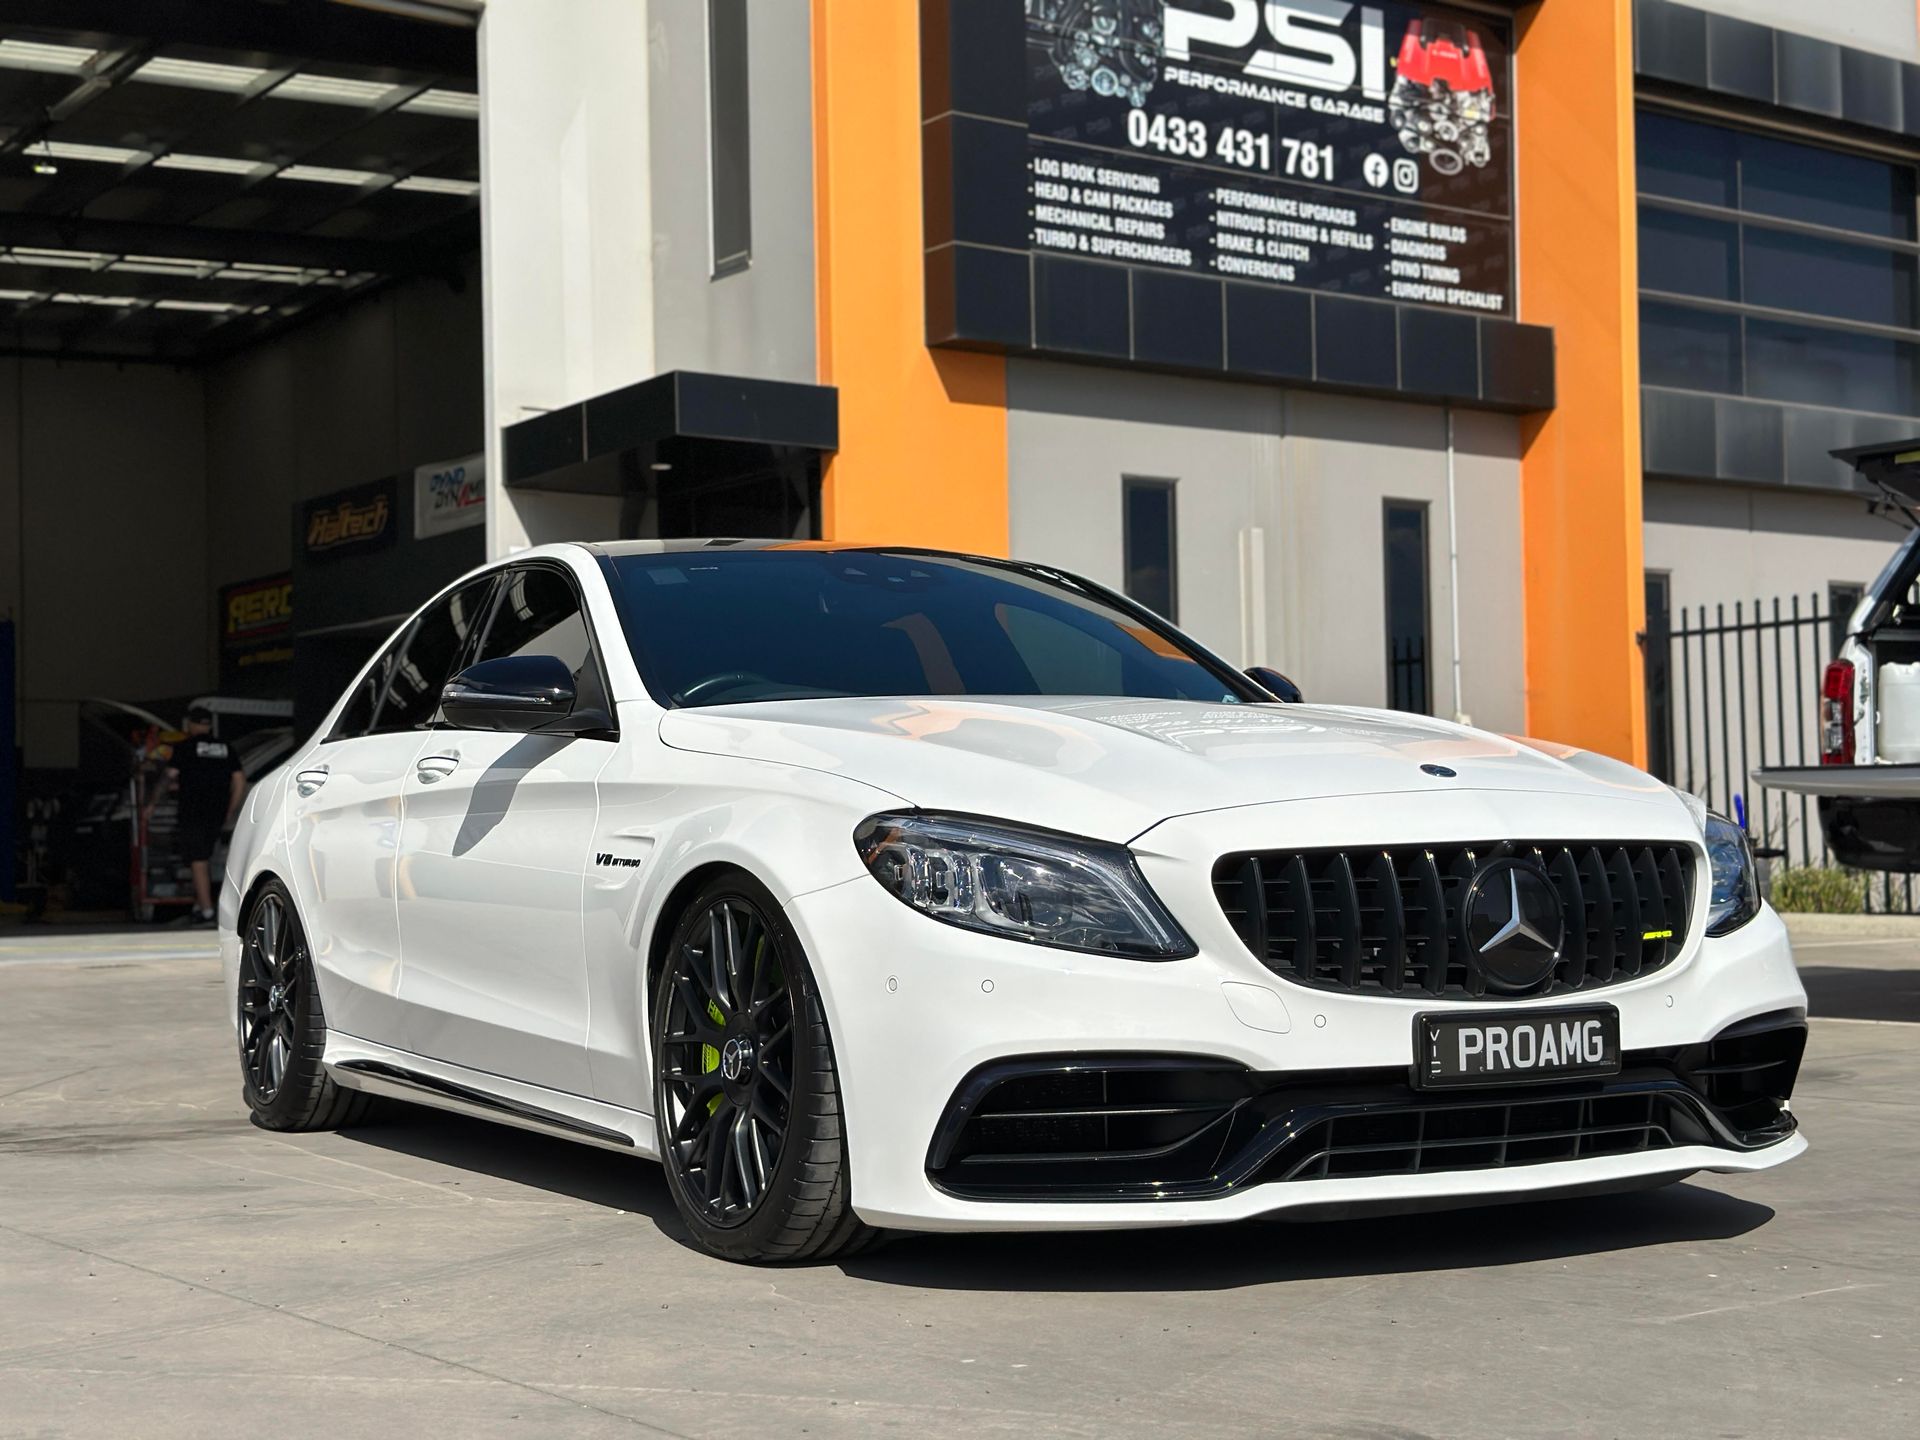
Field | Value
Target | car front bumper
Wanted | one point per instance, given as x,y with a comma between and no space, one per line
917,1007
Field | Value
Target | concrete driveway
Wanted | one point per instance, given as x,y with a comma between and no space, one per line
166,1269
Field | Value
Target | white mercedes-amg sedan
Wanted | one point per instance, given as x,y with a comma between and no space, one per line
874,889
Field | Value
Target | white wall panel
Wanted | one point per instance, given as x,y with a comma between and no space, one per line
759,322
564,158
1721,543
1304,475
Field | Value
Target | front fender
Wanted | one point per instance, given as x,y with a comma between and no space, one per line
792,830
258,847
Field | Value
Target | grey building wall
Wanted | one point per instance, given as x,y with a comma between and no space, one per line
375,389
1891,27
759,322
1720,543
130,494
1279,532
103,546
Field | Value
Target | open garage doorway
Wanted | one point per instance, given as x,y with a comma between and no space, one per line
241,404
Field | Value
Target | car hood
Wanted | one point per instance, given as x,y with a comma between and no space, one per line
1113,768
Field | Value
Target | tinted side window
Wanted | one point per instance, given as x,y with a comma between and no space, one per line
357,718
435,645
539,614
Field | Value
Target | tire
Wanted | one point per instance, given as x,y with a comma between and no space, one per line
282,1029
757,1176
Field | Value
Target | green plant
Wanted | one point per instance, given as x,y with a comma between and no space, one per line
1820,890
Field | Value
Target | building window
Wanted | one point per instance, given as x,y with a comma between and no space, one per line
1777,269
730,170
1408,627
1842,598
1148,539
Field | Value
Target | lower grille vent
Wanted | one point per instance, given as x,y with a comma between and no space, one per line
1143,1127
1421,1138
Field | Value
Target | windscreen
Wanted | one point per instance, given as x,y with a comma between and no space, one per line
717,628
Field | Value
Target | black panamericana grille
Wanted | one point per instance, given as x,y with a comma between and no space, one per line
1387,922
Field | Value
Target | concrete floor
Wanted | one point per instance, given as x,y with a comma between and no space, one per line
166,1269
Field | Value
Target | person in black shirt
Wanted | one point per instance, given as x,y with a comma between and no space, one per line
211,785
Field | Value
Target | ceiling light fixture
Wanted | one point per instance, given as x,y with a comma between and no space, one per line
327,175
100,154
165,265
435,185
72,297
450,104
209,164
332,90
49,59
198,74
64,259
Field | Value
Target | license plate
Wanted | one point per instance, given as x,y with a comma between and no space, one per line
1541,1045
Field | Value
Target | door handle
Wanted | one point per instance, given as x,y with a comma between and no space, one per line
308,781
436,767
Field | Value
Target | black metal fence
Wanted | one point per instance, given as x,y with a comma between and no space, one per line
1733,688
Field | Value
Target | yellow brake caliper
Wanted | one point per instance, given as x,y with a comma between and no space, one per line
710,1057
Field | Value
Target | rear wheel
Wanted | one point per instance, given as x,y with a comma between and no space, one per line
745,1091
283,1030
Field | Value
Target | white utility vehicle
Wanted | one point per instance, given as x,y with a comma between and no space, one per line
1868,778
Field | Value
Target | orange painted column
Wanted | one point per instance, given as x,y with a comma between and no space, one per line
923,433
1580,465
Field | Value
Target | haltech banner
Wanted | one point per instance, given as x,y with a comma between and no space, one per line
350,520
256,625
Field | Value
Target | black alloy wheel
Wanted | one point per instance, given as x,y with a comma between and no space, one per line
746,1096
727,1061
282,1027
272,967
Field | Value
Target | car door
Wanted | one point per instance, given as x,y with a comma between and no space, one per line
494,849
344,809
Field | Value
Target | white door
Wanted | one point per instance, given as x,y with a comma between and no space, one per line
345,812
345,808
495,849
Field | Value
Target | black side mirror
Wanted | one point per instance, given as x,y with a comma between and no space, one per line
517,693
1275,684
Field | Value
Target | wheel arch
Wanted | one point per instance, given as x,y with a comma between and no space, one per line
266,876
667,920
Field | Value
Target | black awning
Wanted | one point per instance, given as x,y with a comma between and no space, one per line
711,425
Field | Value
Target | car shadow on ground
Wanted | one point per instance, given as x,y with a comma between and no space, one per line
586,1173
1202,1257
1837,992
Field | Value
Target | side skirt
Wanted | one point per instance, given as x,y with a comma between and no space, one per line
357,1064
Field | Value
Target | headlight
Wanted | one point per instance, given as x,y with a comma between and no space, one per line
1021,884
1736,888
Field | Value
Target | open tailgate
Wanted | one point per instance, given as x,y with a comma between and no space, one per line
1857,782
